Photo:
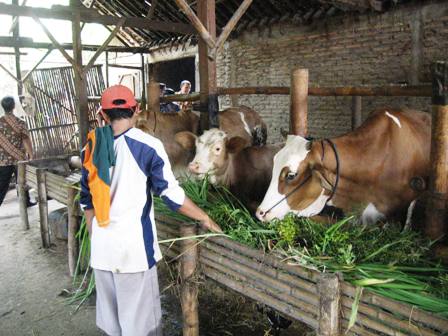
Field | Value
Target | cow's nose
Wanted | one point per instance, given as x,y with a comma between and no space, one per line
193,167
260,214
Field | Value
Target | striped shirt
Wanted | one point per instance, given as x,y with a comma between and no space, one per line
12,133
129,243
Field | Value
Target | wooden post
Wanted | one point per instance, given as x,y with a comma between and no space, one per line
82,106
153,96
329,292
189,289
107,69
16,36
207,67
43,207
143,74
356,111
299,102
72,242
21,186
435,226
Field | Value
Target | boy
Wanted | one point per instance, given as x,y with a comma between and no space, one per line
122,168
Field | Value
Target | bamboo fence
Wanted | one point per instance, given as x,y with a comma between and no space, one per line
54,126
293,290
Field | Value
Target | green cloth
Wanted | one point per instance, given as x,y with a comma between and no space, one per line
104,155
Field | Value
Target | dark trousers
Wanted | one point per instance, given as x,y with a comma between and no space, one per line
6,173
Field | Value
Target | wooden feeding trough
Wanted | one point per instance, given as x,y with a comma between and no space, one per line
322,301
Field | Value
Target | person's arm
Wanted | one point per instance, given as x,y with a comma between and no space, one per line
28,147
89,213
191,210
165,185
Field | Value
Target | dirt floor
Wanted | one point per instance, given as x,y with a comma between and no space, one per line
32,280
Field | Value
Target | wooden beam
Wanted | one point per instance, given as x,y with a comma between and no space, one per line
207,67
152,9
230,26
132,67
104,45
36,65
107,69
356,112
90,6
196,22
15,18
82,104
24,42
92,16
16,35
10,53
436,225
58,45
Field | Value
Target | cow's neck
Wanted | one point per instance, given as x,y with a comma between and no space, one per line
225,175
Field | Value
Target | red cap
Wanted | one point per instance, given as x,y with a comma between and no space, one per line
118,96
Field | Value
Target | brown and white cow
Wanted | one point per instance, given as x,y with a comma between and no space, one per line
236,121
230,161
377,162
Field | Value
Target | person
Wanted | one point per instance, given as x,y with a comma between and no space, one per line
15,145
168,107
185,87
123,168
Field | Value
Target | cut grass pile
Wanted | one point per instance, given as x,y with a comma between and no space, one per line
385,259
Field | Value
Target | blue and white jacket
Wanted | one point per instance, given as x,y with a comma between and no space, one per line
129,243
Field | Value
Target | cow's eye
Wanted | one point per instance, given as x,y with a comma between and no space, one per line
217,149
291,176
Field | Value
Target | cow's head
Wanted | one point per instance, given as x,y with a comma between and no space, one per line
212,151
297,170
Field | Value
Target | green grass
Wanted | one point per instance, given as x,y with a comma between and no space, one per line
386,260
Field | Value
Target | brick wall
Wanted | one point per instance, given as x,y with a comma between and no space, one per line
373,49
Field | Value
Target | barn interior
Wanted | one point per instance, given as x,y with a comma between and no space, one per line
313,68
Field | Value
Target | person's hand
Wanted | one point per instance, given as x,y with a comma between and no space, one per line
209,224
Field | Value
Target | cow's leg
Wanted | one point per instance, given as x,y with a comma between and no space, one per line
411,208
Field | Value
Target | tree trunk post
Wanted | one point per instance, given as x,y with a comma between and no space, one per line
43,207
189,288
73,226
435,226
328,288
299,102
356,111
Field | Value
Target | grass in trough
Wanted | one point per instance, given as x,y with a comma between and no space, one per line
386,260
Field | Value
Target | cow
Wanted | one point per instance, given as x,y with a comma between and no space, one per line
371,169
232,162
235,121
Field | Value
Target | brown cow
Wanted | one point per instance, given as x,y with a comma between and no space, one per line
236,121
377,162
229,161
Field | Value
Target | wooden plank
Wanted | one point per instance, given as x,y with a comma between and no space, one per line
16,35
152,9
73,227
43,207
92,16
356,112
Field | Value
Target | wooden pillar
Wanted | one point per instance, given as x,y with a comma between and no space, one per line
43,207
435,226
16,36
189,289
107,69
153,96
299,102
356,111
416,25
23,199
82,106
207,67
73,226
329,292
143,74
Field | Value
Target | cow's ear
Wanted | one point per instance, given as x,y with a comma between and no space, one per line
323,180
186,139
236,144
